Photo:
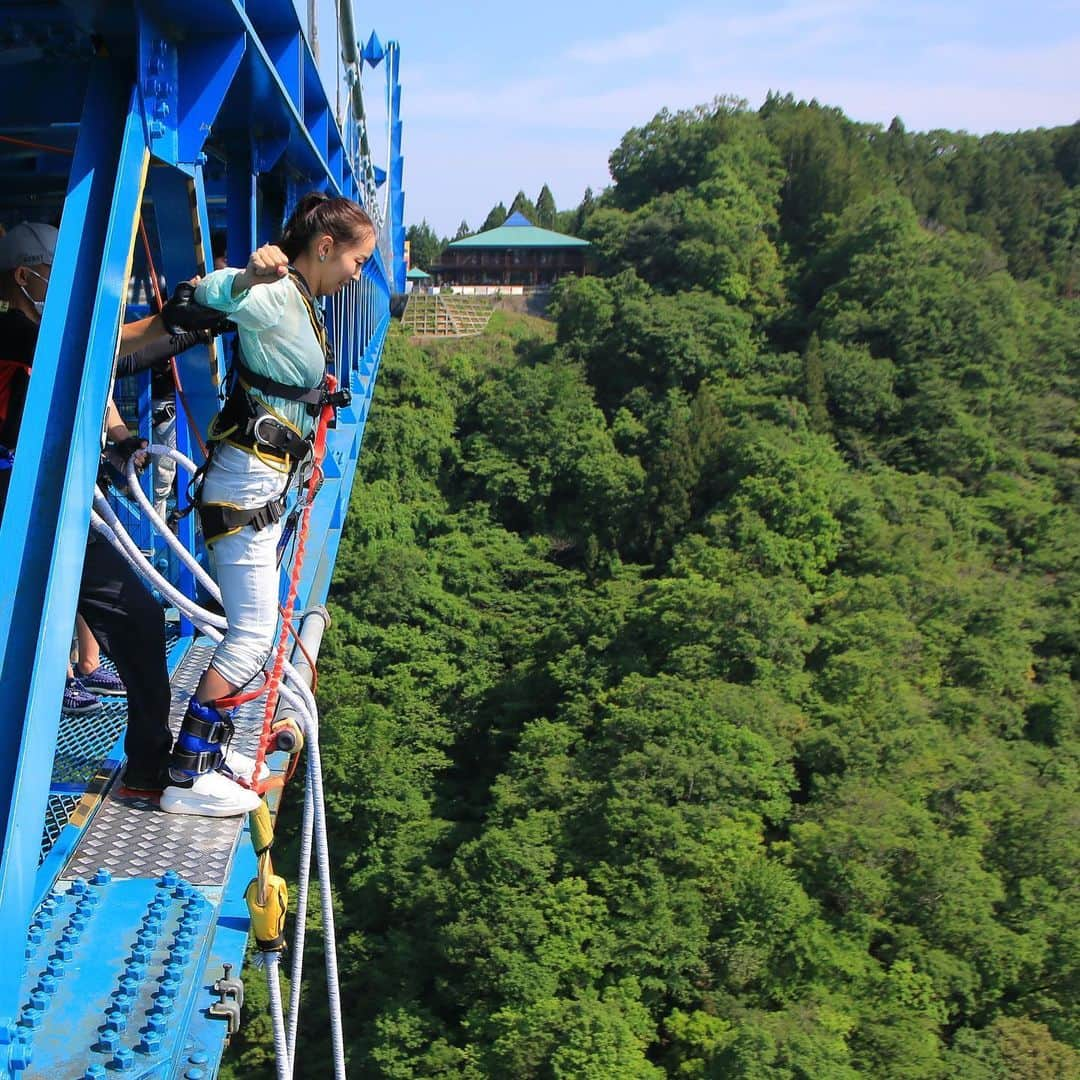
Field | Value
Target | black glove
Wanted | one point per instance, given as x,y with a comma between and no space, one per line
114,459
182,313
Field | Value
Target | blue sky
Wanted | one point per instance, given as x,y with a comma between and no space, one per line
542,93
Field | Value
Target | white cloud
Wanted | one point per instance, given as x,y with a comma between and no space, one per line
695,30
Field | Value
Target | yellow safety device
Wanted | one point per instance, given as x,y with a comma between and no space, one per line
262,828
267,899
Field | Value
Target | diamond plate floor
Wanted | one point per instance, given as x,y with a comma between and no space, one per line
130,836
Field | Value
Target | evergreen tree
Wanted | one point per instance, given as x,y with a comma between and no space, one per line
545,209
496,216
424,246
523,205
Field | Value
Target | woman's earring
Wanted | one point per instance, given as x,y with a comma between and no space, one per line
322,258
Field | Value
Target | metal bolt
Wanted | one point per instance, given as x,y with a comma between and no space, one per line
199,1058
109,1040
125,1059
151,1042
156,1022
122,1003
94,1072
169,879
116,1020
174,971
64,951
194,1074
31,1017
35,935
55,967
102,877
39,1000
140,955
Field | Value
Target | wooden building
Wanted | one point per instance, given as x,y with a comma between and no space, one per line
516,253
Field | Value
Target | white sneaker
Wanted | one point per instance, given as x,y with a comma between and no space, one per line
211,795
243,766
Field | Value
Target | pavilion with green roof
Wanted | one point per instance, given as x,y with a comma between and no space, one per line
416,279
516,253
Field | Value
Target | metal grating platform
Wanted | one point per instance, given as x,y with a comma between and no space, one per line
131,838
83,742
82,746
57,814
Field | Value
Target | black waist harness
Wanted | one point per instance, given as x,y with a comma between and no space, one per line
246,421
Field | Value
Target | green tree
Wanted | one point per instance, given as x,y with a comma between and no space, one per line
496,216
424,246
522,204
545,208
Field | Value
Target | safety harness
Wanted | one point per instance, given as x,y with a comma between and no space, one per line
249,423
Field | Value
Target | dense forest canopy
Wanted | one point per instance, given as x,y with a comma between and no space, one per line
701,698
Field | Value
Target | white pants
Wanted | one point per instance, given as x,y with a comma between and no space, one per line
245,562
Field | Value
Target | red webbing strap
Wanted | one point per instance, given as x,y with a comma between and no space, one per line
319,453
242,697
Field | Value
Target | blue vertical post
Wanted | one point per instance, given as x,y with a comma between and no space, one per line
183,254
43,536
240,203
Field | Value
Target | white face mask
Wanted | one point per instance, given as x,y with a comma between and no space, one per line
39,305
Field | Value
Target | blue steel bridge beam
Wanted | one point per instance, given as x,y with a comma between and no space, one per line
184,244
43,535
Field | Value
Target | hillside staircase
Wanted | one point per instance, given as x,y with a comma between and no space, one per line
446,315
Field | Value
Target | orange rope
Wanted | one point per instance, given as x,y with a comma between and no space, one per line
290,603
36,146
172,359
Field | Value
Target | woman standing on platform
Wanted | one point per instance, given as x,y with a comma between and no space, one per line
262,434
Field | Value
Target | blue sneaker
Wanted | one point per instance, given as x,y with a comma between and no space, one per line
78,701
103,682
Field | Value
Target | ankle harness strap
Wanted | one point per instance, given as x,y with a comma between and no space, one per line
194,762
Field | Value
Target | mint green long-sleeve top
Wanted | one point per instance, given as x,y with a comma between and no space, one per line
276,336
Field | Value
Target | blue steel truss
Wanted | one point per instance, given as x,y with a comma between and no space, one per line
197,117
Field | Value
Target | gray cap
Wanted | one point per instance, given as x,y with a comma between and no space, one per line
27,245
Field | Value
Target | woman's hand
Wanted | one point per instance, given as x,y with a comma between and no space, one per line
266,265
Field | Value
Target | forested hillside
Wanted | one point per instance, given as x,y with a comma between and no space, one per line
701,698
